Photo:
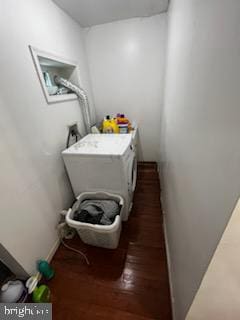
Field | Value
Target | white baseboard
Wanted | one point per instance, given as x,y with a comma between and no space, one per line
167,249
169,268
53,250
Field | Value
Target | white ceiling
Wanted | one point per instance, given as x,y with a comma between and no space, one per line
93,12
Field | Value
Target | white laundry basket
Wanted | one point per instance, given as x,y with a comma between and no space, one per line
105,236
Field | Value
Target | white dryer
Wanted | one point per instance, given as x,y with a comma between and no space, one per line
104,162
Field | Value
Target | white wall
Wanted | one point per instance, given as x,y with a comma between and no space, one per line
201,162
33,184
126,62
218,295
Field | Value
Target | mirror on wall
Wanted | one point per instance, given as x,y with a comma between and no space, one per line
48,66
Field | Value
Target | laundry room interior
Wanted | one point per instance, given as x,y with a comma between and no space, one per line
120,158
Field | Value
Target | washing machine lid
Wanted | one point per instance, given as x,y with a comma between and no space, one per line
101,144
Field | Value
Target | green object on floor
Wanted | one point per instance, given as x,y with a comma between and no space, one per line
45,269
41,294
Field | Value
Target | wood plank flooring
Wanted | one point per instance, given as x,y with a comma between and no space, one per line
129,283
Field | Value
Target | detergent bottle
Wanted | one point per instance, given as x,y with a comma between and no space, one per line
123,123
121,119
45,269
40,294
110,125
115,125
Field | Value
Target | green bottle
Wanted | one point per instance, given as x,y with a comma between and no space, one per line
45,269
41,294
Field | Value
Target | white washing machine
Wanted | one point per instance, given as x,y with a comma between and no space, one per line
104,162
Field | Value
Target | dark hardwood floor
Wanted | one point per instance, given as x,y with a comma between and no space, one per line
128,283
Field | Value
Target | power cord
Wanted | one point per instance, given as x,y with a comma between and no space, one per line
60,227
